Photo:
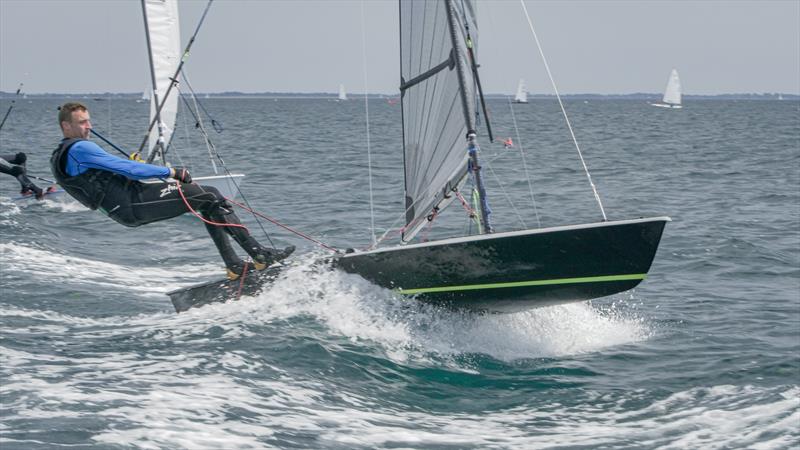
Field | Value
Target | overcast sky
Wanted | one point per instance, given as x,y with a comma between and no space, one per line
597,46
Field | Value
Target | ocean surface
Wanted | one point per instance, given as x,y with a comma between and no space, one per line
704,354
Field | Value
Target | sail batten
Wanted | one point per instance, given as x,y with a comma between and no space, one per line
436,114
163,38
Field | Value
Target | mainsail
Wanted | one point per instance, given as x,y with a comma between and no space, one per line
164,48
672,94
436,117
522,93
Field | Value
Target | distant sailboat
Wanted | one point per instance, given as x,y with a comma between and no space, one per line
672,94
145,96
522,93
342,93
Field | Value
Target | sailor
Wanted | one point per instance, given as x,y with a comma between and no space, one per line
14,165
103,181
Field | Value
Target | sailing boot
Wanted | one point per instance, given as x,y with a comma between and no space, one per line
32,189
234,266
266,257
263,257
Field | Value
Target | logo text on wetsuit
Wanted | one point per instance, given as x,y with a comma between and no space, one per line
168,189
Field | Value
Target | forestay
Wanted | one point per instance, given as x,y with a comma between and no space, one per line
164,47
436,117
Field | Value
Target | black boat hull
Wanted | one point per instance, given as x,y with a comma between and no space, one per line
516,271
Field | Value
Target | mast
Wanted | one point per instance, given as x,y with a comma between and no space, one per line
159,146
469,117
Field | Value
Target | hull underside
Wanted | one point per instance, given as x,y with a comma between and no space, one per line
516,271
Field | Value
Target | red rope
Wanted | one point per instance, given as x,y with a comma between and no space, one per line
305,236
218,224
466,205
241,282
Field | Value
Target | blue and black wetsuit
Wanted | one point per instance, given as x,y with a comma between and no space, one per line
103,181
14,165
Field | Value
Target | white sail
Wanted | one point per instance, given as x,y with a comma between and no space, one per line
164,40
342,93
672,94
435,116
522,93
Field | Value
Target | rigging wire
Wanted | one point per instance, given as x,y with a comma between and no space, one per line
366,108
198,122
508,197
286,227
13,100
231,179
563,110
196,214
524,163
216,125
184,57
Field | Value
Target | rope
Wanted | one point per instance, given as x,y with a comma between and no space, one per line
563,110
212,151
469,209
285,227
216,125
217,224
241,281
198,123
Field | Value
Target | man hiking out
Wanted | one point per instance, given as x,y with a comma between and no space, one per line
103,181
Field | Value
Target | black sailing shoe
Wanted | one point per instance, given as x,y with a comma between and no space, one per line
269,256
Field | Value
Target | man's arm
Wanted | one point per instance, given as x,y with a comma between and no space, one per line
86,155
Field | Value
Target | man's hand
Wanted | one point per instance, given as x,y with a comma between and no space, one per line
181,174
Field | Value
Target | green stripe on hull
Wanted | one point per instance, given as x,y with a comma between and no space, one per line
472,287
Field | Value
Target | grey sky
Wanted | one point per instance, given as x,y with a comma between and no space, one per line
720,46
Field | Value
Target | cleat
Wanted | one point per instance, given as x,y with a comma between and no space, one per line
269,256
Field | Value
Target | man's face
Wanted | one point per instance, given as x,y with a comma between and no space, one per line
78,126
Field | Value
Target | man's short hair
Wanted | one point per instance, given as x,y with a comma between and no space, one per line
65,111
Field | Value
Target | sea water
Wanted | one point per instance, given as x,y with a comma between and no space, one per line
703,354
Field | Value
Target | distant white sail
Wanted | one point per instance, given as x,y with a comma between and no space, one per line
342,93
672,94
522,93
164,40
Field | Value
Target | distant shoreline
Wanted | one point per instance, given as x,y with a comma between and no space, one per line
331,95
